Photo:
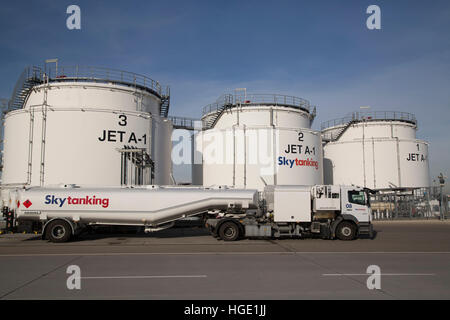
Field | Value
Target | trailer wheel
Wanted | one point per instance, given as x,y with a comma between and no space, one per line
346,230
229,231
58,231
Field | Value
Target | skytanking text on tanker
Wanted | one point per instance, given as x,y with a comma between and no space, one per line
51,199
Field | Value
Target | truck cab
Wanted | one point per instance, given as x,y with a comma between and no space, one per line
355,201
326,211
348,207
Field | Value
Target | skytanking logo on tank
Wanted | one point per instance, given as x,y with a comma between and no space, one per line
283,161
51,199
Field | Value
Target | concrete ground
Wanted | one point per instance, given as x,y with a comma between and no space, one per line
413,257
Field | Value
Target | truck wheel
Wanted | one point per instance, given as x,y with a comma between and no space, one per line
229,231
58,231
346,231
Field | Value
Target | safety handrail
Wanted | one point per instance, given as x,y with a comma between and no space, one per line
184,123
64,73
371,116
33,74
251,99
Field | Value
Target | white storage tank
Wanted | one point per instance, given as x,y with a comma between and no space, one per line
377,150
162,150
185,157
86,126
256,140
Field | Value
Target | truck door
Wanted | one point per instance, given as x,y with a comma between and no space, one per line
356,204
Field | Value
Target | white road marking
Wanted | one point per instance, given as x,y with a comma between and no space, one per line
378,274
147,277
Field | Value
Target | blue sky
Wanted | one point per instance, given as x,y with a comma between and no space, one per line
318,50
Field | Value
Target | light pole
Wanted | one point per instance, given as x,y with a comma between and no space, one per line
442,178
55,61
363,109
236,93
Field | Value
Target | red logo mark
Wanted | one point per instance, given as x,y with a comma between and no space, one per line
27,204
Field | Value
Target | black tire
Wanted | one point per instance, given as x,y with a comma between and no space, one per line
58,231
346,230
229,231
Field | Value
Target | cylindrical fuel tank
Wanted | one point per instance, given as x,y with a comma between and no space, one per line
378,150
197,162
76,127
258,141
161,150
71,145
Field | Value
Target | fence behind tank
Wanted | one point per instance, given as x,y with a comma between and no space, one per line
422,203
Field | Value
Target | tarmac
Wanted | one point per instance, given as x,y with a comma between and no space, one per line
413,258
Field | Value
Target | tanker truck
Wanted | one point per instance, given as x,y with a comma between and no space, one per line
325,211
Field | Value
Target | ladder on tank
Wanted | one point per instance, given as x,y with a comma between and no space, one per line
341,131
165,103
211,120
29,78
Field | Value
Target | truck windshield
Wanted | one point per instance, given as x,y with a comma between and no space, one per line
357,197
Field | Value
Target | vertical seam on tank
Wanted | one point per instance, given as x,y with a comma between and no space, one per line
30,146
43,136
398,163
373,157
364,155
245,157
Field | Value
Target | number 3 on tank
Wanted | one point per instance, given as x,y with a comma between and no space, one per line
123,120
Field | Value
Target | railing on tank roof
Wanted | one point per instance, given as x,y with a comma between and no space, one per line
100,74
252,99
371,116
185,123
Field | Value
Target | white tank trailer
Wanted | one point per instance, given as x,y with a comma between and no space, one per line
377,150
86,126
254,140
294,211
